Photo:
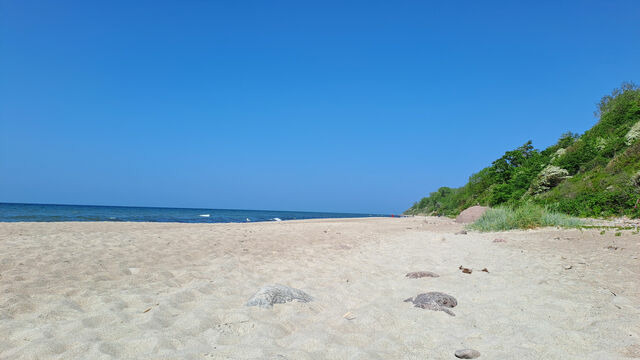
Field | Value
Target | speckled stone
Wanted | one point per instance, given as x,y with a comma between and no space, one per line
467,354
435,301
421,274
277,294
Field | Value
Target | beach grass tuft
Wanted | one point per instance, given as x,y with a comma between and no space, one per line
526,216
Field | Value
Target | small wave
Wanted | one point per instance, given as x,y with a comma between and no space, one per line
248,220
277,219
205,215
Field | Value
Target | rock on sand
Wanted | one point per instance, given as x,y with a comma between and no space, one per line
471,214
435,301
467,354
421,274
277,294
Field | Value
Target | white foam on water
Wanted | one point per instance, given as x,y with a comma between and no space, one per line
205,215
277,219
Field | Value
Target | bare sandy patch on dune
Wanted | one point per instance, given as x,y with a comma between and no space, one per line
149,290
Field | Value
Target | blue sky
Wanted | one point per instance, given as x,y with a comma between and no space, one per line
358,106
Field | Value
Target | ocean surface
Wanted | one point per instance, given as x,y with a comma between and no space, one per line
10,212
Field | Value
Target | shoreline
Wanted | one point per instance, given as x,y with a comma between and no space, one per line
193,223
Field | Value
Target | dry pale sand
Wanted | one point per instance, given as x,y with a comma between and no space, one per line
178,291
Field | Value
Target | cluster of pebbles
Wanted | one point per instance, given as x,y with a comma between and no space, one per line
623,222
269,295
438,301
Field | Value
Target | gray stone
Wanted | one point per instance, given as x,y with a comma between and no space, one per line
277,294
435,301
421,274
467,354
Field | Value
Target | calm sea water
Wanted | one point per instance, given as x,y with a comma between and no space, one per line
46,212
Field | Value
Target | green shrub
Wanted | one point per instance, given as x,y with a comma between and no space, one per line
526,216
602,165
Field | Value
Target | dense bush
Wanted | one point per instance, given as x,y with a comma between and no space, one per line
525,216
600,164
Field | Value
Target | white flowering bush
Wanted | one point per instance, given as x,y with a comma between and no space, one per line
558,153
635,179
633,134
601,143
548,178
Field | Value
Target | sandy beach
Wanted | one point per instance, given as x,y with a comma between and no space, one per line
107,290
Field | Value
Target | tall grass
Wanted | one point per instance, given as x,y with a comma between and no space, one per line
526,216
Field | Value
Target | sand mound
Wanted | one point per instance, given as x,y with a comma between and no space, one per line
471,214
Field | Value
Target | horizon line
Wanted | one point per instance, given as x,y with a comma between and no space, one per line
193,208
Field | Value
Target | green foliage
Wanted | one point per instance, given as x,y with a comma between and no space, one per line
567,139
525,216
618,113
603,166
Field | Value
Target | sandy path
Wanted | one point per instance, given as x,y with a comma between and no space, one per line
169,291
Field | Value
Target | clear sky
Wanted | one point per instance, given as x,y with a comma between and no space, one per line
361,106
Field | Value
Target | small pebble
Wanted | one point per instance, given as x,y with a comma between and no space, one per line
467,354
421,274
567,267
349,316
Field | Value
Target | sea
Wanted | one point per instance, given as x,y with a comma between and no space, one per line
12,212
